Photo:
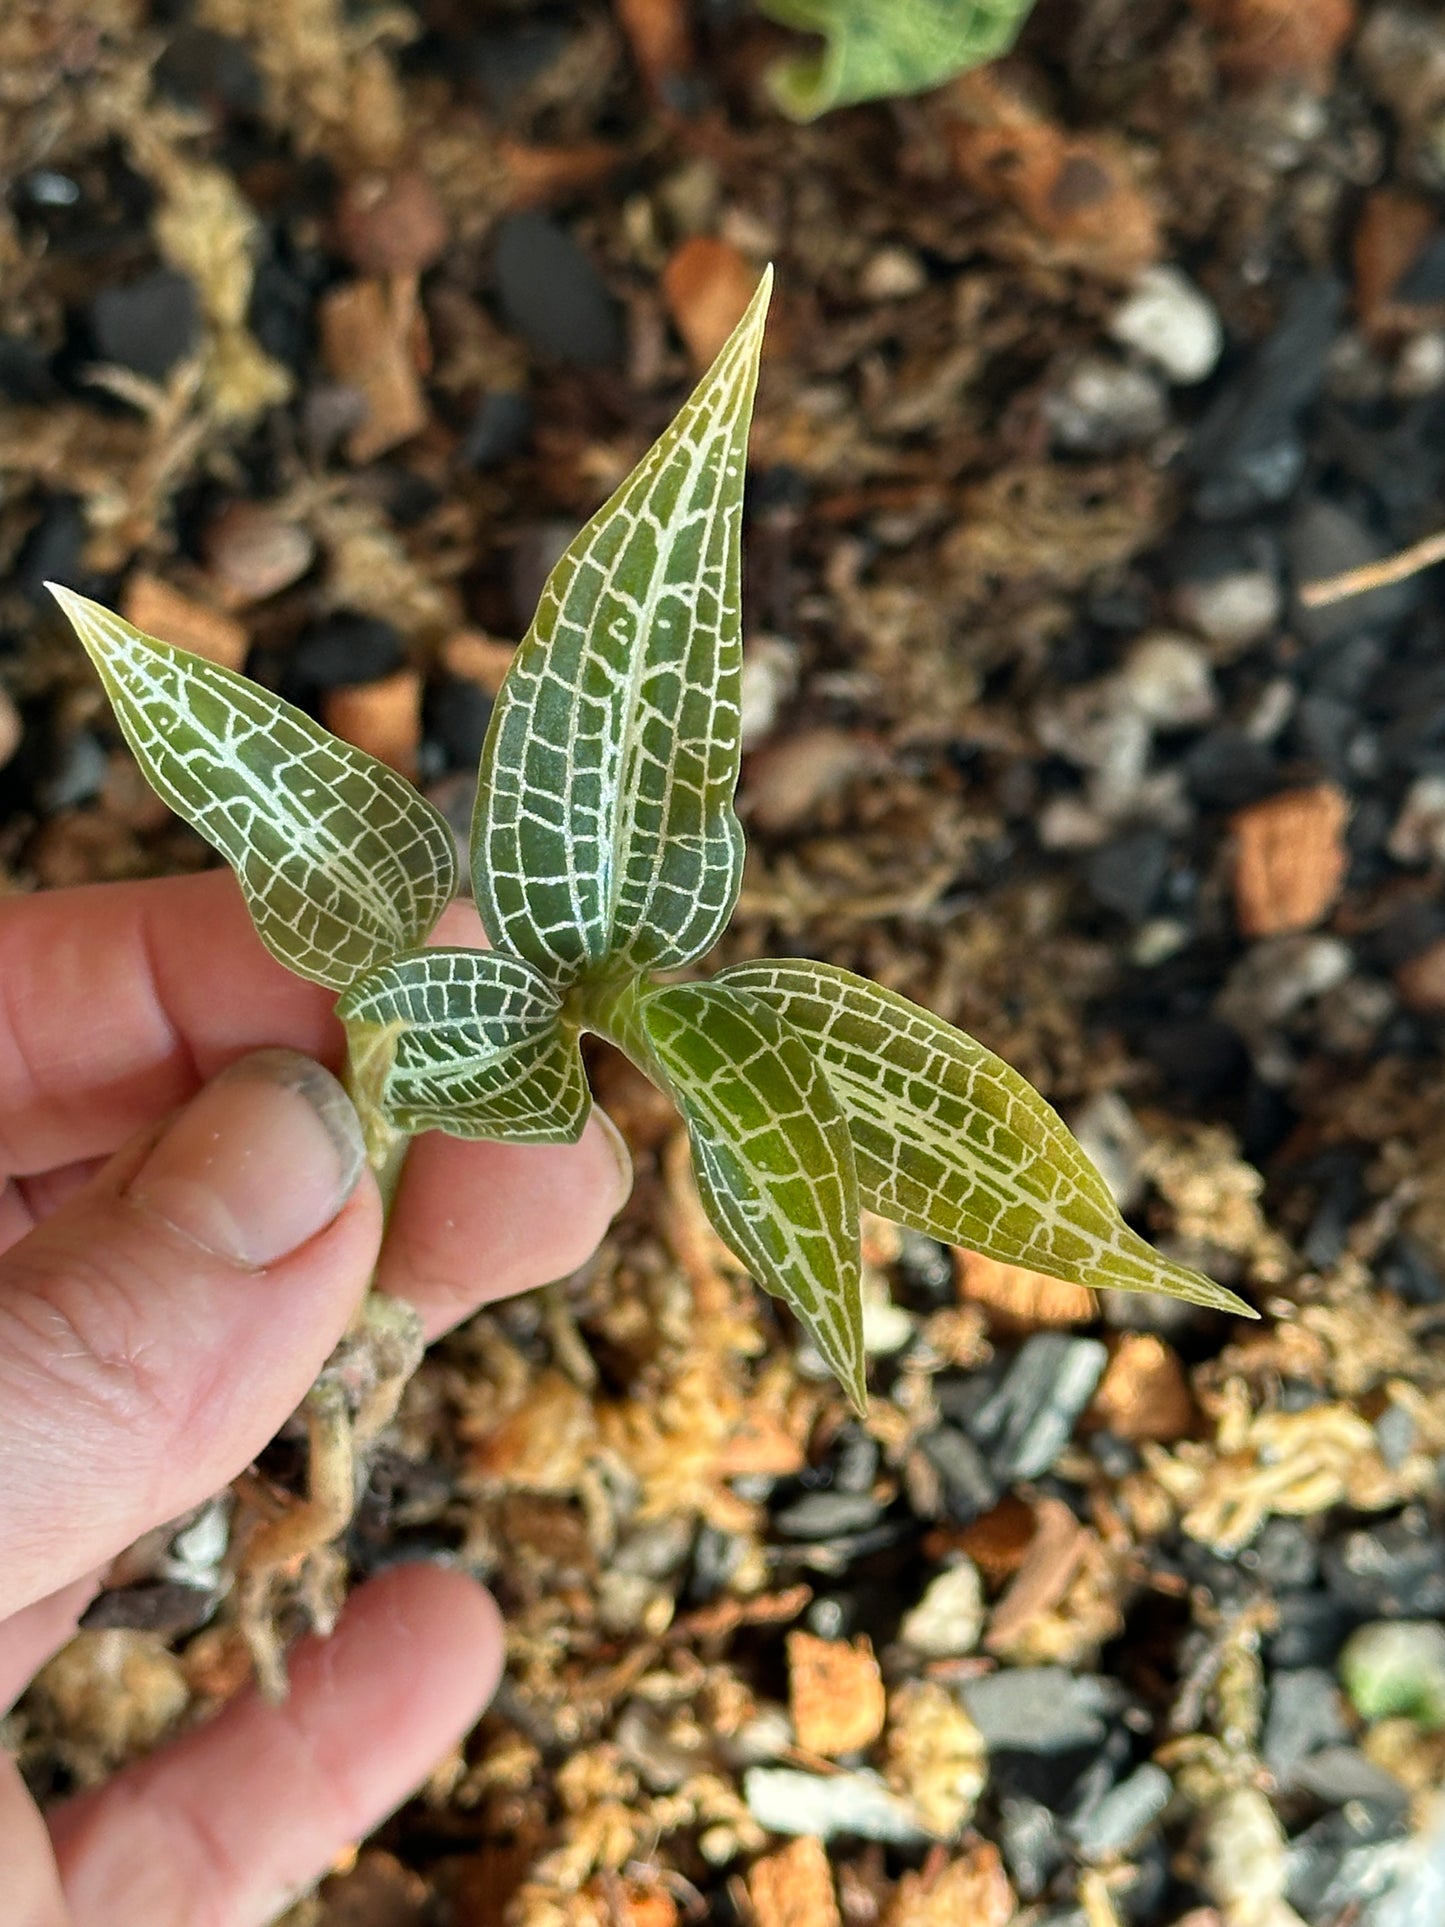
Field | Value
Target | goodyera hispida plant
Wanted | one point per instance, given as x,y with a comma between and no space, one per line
606,857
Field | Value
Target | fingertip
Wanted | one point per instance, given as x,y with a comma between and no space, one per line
474,1222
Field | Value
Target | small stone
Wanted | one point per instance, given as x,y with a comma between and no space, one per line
1028,1420
1105,406
346,648
1396,1570
707,284
948,1619
1248,451
391,223
1169,681
1233,609
499,429
161,610
1126,874
1112,1140
821,1515
1340,1774
12,728
785,1800
936,1756
149,324
1325,539
1304,1715
1419,832
368,344
794,1887
1420,980
835,1693
1039,1709
1017,1300
892,273
1114,1825
1144,1393
1169,322
1275,977
770,676
551,293
969,1487
383,718
253,552
787,780
1395,1668
1290,860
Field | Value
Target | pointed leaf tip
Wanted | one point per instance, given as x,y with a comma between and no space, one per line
605,827
341,862
951,1141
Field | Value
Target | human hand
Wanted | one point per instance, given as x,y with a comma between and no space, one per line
171,1282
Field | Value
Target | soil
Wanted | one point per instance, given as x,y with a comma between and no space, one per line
321,331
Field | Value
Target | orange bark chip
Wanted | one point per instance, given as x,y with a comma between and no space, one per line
1144,1393
835,1692
707,284
383,718
794,1887
1020,1300
164,612
1290,860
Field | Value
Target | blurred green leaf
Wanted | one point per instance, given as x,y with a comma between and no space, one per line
341,862
605,825
880,48
771,1153
473,1043
951,1141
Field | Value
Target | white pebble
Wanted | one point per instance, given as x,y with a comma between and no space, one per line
948,1619
892,274
1103,406
1168,680
1232,610
1168,321
1419,832
770,677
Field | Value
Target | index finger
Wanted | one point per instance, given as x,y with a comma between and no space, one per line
119,1000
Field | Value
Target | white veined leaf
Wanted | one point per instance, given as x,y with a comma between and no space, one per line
605,825
772,1157
341,863
475,1045
951,1141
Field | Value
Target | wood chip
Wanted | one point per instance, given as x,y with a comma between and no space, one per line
1290,860
835,1692
1076,191
471,656
391,223
383,718
1420,980
760,1446
1144,1393
369,343
794,1887
707,284
1019,1301
166,612
657,32
12,729
1388,238
1053,1557
252,552
1280,41
969,1892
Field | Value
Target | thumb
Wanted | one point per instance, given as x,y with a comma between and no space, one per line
157,1330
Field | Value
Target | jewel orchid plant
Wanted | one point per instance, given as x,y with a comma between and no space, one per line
606,857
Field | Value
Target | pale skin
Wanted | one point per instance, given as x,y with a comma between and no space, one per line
141,1371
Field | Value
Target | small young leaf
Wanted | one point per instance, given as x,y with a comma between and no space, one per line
878,50
605,826
771,1152
341,863
952,1142
477,1047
